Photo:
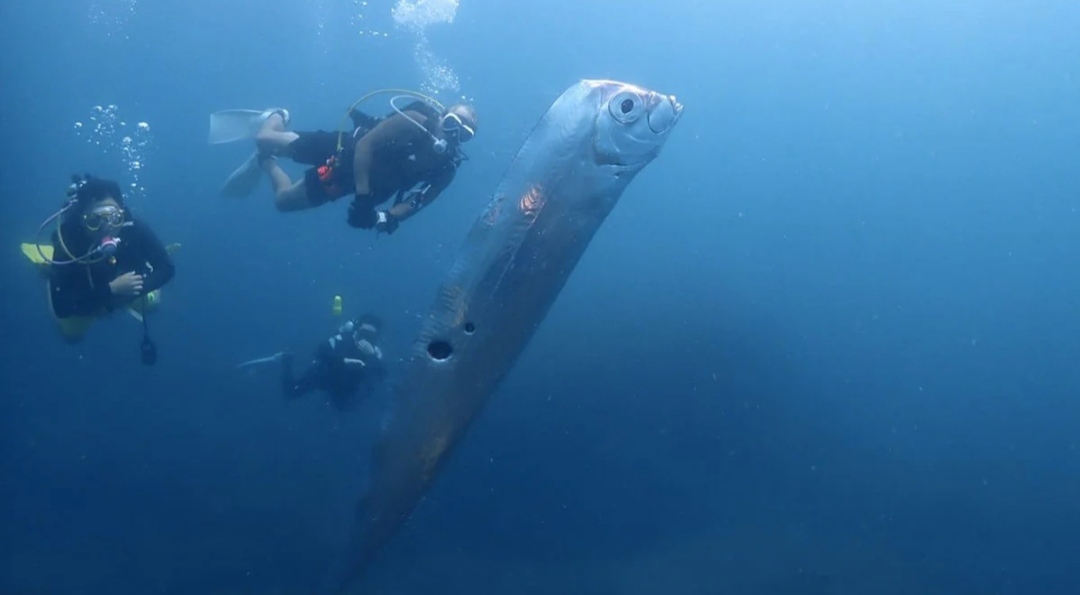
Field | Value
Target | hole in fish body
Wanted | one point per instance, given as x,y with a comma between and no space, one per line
440,350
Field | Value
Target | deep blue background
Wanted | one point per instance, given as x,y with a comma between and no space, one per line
826,344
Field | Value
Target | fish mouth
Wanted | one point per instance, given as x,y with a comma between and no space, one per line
665,114
615,162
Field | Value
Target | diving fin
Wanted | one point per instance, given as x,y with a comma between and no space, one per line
141,307
38,254
242,181
231,125
42,253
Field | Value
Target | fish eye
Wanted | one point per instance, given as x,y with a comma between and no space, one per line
626,107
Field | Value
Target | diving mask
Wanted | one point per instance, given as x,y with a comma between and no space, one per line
453,125
108,216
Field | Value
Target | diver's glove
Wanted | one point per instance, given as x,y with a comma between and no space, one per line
361,214
385,222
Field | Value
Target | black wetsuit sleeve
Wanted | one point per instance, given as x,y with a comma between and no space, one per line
71,289
161,269
440,183
326,353
405,209
377,370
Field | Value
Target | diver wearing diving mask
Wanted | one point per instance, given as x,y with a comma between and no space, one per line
411,155
102,258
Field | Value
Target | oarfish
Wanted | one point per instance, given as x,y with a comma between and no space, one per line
557,191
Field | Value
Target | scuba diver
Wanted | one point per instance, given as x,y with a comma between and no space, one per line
101,259
412,154
342,365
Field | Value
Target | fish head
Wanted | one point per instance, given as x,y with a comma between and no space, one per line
632,123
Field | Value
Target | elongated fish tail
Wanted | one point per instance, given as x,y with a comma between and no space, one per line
345,576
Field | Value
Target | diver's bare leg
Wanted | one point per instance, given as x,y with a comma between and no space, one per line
271,140
288,196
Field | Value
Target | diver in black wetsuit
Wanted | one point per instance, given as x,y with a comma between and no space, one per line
411,155
342,364
103,258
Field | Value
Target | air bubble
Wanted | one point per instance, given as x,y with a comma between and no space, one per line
129,147
416,16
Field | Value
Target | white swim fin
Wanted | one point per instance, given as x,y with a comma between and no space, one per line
231,125
243,181
262,361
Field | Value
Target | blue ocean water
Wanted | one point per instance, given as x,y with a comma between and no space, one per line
825,344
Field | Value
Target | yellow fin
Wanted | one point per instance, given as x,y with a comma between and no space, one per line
138,308
34,253
73,329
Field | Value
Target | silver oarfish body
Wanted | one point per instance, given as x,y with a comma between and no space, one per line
557,192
